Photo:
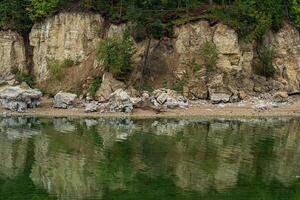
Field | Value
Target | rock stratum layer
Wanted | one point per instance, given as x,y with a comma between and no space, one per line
171,60
12,53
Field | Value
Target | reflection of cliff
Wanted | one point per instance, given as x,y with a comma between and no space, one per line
86,158
15,134
66,164
12,157
228,150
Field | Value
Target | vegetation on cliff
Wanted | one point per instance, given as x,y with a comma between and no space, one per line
252,18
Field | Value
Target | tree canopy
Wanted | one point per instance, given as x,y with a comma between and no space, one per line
252,18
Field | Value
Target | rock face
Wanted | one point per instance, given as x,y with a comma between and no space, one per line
65,36
19,99
108,86
286,44
12,53
169,60
233,61
64,100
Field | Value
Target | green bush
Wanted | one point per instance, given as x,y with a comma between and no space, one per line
178,85
294,7
25,77
209,54
39,9
57,68
266,57
94,87
115,54
253,18
157,29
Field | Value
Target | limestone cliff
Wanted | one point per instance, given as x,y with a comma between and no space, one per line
168,61
65,36
12,53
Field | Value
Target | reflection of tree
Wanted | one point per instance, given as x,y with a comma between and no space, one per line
21,187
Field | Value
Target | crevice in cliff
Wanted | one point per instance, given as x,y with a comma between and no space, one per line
28,53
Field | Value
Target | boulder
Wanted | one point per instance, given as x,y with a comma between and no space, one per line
220,98
169,98
242,95
64,100
281,96
119,101
108,86
91,107
18,99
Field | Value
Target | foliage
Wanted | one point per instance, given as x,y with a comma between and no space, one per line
294,7
178,85
157,29
13,15
94,87
25,77
115,54
253,18
57,68
266,58
40,9
209,54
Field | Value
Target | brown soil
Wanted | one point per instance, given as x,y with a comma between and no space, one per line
291,110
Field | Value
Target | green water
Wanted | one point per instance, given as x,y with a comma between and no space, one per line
174,159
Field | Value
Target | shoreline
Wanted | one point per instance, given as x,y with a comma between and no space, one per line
196,111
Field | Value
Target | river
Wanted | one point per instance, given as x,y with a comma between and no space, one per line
168,159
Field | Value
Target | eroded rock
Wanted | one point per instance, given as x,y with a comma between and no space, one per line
108,86
220,98
91,107
169,98
119,101
18,99
64,100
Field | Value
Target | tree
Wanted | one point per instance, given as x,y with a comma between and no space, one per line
294,7
13,15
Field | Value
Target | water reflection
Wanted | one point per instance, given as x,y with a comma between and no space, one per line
111,158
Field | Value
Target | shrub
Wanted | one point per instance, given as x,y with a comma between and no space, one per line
94,87
157,29
24,77
57,68
178,85
294,8
252,18
40,9
209,54
115,54
266,58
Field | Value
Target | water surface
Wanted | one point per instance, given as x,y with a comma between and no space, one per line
168,159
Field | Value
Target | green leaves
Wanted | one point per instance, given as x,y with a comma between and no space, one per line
253,18
115,54
209,54
40,9
266,58
294,8
13,15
